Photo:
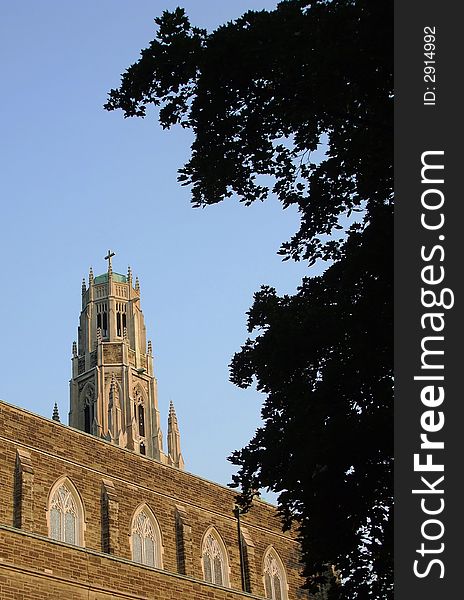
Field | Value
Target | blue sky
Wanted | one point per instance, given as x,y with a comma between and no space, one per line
77,180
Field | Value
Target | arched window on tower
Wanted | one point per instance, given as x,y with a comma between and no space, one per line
87,418
89,407
102,318
275,581
121,321
105,323
146,538
214,557
139,414
65,514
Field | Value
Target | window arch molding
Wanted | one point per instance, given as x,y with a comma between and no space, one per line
145,539
65,513
139,394
213,554
274,576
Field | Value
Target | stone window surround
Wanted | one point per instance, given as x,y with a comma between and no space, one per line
226,572
271,552
64,481
159,550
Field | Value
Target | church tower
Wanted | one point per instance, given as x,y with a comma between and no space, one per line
113,387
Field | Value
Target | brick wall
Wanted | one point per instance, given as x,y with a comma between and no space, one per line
112,483
32,568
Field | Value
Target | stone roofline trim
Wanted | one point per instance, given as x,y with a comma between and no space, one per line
112,557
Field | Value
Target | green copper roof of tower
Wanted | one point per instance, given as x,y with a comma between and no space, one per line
116,277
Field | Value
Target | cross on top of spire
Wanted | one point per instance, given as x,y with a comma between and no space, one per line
108,257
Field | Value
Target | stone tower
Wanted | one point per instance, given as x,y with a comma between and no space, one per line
113,387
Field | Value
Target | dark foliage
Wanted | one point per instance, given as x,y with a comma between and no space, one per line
259,94
323,358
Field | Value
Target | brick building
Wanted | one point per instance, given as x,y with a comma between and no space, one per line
98,511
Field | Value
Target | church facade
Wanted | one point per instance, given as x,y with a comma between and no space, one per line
97,510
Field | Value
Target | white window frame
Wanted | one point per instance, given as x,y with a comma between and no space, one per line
64,497
212,543
148,528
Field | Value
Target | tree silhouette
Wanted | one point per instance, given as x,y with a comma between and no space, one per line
261,94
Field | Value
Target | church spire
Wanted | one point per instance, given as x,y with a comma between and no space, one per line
174,453
56,414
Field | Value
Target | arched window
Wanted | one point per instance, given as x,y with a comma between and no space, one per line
88,399
65,514
215,565
102,318
139,414
88,418
275,582
121,321
141,420
146,538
